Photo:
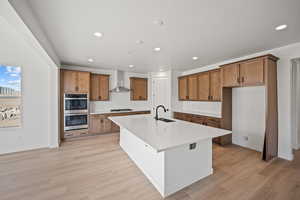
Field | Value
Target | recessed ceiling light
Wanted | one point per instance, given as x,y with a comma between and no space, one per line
90,60
195,58
157,49
158,22
139,41
131,66
98,34
281,27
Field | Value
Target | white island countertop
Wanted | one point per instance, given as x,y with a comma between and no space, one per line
162,135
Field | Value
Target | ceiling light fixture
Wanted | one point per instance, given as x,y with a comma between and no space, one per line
158,22
139,41
195,58
131,66
157,49
281,27
90,60
98,34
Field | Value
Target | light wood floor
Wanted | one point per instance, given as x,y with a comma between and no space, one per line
96,168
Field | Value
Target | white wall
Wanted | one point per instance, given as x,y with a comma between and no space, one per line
175,103
39,97
202,106
286,54
248,117
117,100
34,132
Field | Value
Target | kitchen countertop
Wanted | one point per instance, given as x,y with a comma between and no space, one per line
98,112
162,135
198,113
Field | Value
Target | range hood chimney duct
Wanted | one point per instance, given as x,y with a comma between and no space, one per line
119,82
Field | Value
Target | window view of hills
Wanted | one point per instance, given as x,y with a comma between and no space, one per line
10,96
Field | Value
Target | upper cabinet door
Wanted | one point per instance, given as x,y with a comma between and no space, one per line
69,81
193,87
83,82
183,88
95,87
230,75
103,87
252,72
215,85
99,87
139,89
203,86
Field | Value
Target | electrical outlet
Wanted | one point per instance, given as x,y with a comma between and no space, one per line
246,138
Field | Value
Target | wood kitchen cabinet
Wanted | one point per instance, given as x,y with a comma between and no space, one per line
95,124
193,87
215,85
230,75
99,87
139,89
252,72
206,121
183,88
246,73
203,86
100,124
75,81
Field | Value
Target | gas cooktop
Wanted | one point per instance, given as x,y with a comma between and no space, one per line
120,110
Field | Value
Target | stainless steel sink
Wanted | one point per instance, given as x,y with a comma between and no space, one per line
166,120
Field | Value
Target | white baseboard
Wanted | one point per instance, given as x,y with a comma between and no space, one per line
284,156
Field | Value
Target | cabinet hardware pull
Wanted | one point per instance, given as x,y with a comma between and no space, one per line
242,79
99,97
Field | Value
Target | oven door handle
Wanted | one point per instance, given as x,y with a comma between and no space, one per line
75,114
76,98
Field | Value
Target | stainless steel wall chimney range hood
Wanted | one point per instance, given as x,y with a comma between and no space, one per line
119,82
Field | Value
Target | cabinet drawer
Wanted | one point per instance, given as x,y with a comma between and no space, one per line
198,119
179,116
213,122
75,133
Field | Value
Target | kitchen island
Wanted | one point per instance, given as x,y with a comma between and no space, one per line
172,155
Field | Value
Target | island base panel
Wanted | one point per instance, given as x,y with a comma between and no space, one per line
170,170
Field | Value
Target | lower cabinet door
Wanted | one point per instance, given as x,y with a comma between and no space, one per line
198,119
105,125
94,124
99,124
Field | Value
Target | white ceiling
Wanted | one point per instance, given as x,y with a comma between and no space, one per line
213,30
